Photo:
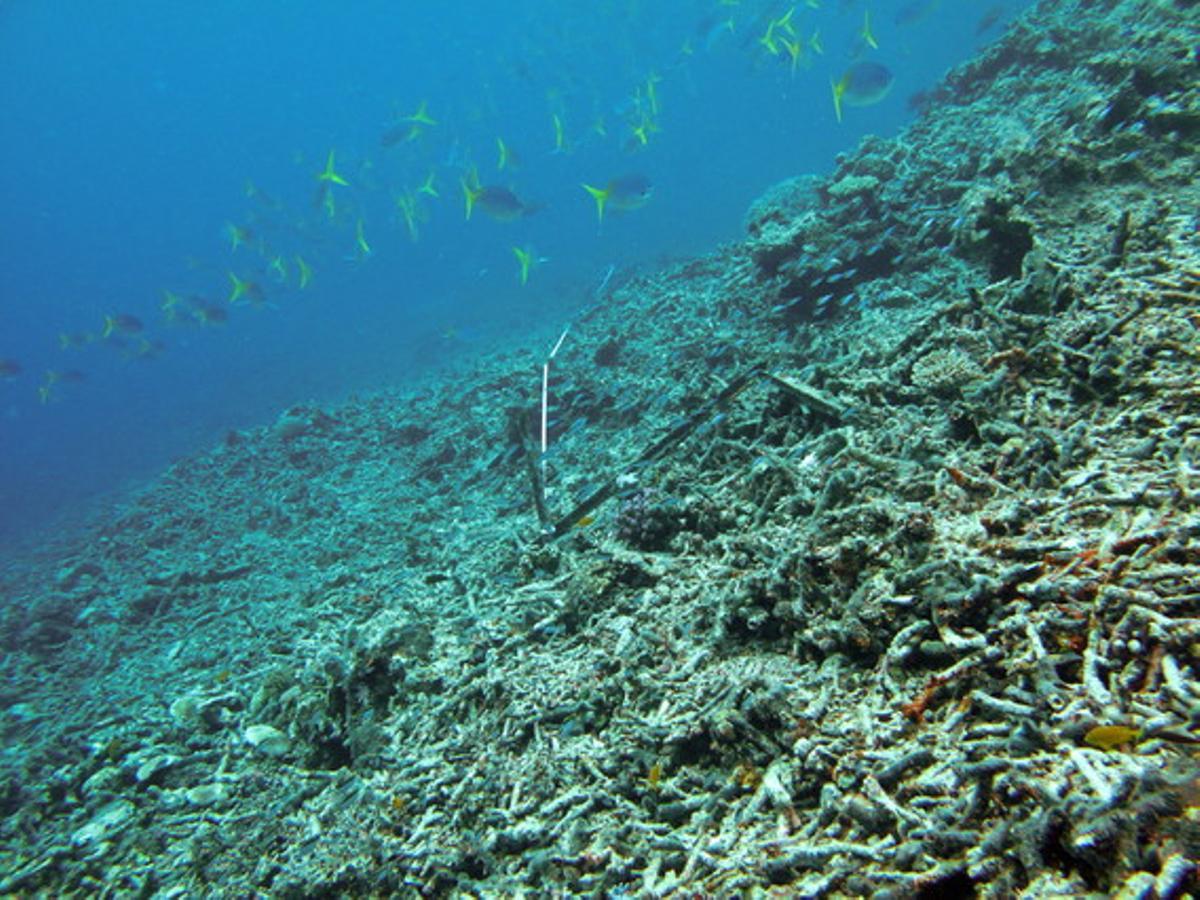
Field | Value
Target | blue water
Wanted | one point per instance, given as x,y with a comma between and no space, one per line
133,128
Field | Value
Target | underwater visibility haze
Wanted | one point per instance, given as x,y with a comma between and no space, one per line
158,152
625,449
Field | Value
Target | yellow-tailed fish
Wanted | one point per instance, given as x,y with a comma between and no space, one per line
622,194
304,272
524,261
406,203
865,33
244,288
170,306
560,140
863,84
121,323
360,239
421,116
497,202
329,175
278,268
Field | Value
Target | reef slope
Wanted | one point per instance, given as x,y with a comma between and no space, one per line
847,627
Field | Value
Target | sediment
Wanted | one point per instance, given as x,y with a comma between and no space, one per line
850,629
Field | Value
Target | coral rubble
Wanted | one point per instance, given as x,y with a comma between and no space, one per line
851,635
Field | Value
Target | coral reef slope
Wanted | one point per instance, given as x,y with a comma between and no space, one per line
862,562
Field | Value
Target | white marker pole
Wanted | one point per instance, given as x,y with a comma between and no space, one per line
545,395
546,401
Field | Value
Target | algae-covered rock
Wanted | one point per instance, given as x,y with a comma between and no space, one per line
101,782
152,767
185,711
267,740
777,222
93,837
945,371
851,185
71,576
783,203
215,793
291,425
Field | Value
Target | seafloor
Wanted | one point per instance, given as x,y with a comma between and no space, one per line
896,501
